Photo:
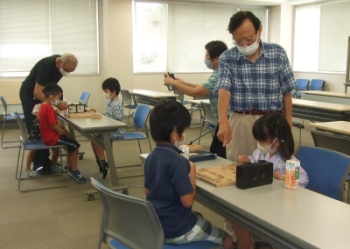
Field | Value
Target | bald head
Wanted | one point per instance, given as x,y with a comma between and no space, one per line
68,62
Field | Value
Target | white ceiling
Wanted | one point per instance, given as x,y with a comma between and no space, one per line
257,2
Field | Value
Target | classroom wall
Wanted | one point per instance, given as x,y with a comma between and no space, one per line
115,30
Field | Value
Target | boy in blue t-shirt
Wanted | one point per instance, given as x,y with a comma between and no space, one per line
170,183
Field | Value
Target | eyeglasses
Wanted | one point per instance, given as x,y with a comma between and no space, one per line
248,41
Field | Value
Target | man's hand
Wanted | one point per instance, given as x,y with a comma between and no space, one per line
168,80
224,133
62,106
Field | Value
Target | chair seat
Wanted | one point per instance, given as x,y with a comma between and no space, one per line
131,136
38,145
10,117
196,245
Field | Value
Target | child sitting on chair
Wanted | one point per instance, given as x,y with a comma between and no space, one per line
53,134
170,183
34,135
276,145
114,109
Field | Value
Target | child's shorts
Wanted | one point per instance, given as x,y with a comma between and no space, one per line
203,230
71,144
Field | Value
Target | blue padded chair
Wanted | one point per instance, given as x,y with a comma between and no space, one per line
140,120
128,102
302,85
7,117
30,145
85,96
316,85
132,223
327,170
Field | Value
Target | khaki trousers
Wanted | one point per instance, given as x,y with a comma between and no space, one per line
243,142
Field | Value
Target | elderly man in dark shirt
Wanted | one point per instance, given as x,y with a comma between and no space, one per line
48,70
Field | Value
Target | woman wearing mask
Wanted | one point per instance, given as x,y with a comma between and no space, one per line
213,52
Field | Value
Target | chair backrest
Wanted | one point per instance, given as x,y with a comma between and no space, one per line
327,170
127,99
22,127
302,84
140,117
129,220
316,85
331,141
208,114
4,104
85,96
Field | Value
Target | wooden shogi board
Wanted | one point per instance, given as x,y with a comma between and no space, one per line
219,176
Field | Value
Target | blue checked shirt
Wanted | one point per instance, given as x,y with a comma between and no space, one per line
114,110
259,85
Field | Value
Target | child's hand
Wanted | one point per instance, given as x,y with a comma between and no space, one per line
278,175
243,159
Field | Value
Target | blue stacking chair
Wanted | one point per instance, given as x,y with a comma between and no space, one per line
302,85
7,117
327,170
132,223
140,120
30,145
316,85
128,102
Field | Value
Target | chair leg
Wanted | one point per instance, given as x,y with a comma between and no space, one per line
17,166
3,135
20,173
149,142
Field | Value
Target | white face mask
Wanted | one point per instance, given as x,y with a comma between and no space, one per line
177,144
107,96
54,103
267,149
64,73
249,50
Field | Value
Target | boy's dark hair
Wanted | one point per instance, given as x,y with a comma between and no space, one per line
52,89
165,116
237,19
215,48
111,84
274,125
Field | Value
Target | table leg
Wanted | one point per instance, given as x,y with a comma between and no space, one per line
110,158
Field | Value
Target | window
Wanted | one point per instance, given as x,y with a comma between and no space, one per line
172,36
33,29
321,35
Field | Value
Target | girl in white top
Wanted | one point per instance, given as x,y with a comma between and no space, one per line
275,144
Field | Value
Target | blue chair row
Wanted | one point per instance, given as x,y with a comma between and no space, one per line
303,85
7,117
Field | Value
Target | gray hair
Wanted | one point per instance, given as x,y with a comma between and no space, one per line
68,58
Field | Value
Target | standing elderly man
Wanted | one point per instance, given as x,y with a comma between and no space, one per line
48,70
254,78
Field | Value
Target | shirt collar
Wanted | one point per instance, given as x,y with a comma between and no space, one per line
169,146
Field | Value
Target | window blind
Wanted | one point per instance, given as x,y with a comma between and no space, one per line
33,29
